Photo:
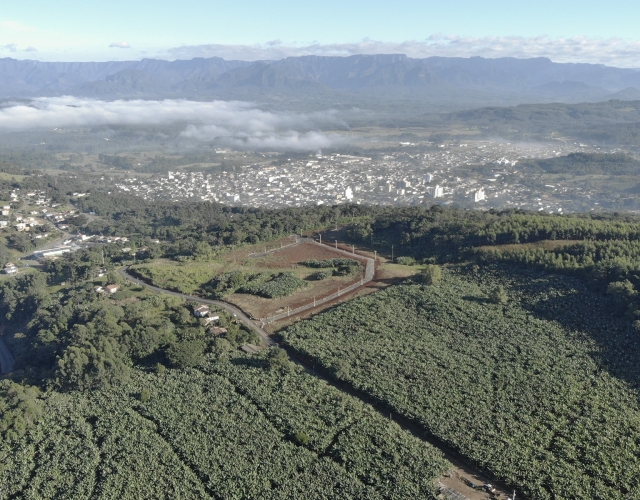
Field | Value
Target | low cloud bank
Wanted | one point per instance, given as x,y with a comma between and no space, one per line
237,123
618,52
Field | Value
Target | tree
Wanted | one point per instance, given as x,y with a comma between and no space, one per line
145,395
431,275
623,293
341,370
278,359
186,354
202,251
499,295
220,347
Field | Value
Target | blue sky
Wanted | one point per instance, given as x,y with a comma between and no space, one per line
565,30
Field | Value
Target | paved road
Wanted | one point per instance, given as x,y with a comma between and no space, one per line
6,359
243,318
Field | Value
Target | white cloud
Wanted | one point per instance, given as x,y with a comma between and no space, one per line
612,51
11,47
238,123
120,45
16,27
30,48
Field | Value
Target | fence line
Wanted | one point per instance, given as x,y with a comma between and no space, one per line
368,276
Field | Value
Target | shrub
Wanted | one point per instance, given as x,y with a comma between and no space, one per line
431,275
277,359
282,285
406,261
499,295
145,395
302,438
320,275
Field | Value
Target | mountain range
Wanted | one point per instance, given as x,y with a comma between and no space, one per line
524,80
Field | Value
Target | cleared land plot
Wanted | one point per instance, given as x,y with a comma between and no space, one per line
192,277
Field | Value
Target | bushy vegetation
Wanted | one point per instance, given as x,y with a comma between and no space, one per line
280,285
320,275
406,261
76,339
341,266
20,409
540,390
228,431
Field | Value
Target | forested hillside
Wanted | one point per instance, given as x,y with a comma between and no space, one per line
538,385
517,346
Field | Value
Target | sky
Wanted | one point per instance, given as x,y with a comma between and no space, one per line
563,30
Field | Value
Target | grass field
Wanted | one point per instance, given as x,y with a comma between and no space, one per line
8,177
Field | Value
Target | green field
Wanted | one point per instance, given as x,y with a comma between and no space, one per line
541,392
234,429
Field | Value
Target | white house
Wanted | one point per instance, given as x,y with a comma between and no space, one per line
201,311
10,268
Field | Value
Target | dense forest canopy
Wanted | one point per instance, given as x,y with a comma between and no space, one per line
519,324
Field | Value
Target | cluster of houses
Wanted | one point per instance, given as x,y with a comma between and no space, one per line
205,313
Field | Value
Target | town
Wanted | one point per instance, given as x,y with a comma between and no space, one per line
480,174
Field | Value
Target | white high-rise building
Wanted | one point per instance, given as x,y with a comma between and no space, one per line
438,191
479,195
348,193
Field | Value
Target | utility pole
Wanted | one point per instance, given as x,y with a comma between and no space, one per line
103,256
336,244
392,254
288,311
314,301
353,249
321,238
375,256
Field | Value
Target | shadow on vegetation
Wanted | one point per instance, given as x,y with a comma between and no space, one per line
477,300
572,304
249,362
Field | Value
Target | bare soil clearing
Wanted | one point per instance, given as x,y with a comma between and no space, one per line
290,259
